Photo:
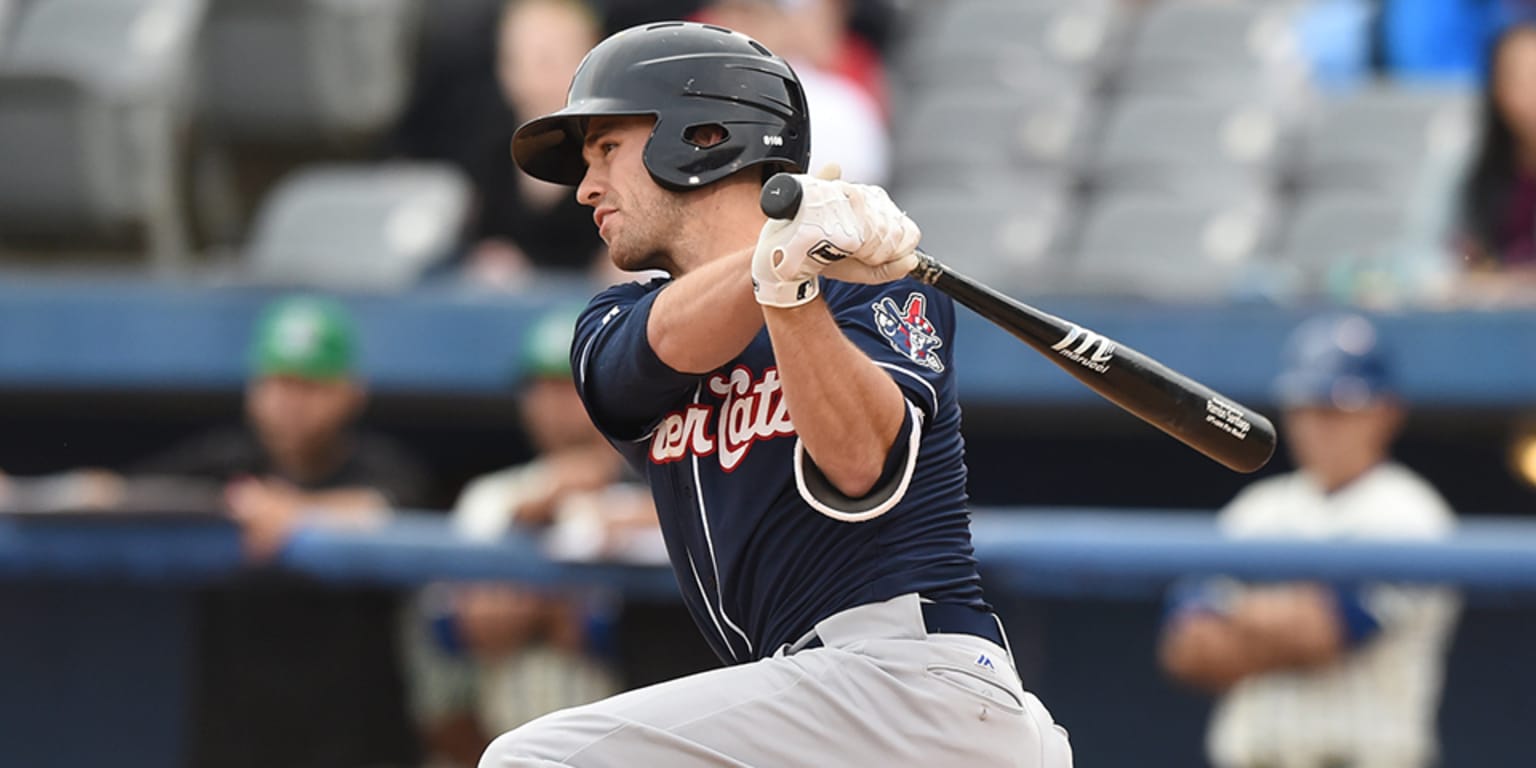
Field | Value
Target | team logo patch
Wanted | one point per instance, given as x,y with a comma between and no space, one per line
908,330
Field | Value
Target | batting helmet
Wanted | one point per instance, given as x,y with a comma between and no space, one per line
686,75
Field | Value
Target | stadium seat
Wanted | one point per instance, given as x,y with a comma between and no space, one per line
1200,47
92,96
1381,140
7,17
1205,148
1007,239
978,128
1160,248
1331,233
305,70
1003,68
369,227
1073,37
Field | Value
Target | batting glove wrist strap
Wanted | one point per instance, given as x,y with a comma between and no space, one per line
791,253
778,280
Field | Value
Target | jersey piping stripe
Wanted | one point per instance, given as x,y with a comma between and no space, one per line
709,607
581,364
698,489
933,396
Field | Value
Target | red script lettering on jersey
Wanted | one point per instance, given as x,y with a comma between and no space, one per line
751,410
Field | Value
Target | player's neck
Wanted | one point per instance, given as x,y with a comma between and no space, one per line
722,220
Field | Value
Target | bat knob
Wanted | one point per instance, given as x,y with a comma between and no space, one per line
781,196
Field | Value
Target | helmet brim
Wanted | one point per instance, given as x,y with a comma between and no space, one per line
549,147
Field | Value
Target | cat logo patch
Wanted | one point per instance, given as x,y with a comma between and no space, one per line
908,330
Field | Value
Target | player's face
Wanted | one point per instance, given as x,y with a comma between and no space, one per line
1515,85
296,416
541,44
637,218
1336,446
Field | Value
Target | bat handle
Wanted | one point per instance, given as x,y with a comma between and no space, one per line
781,198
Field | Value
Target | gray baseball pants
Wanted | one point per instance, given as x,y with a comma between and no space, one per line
880,691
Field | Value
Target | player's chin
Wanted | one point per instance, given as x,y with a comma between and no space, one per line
631,259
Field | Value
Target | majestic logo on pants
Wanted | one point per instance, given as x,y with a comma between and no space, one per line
908,330
751,410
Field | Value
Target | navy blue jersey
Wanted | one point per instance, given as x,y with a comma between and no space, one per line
763,546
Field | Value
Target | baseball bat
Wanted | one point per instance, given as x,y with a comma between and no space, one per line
1219,427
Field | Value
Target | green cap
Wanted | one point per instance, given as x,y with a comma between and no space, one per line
304,336
546,352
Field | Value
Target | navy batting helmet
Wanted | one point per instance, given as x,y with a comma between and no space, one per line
1335,361
686,75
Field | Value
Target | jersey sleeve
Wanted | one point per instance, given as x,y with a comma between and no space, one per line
905,327
622,382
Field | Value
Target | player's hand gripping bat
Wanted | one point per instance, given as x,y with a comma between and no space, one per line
1221,428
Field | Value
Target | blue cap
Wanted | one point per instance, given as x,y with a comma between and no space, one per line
1334,361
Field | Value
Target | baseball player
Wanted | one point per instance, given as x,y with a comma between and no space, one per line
1316,675
790,398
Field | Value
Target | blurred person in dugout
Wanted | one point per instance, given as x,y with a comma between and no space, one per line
291,672
1315,675
524,224
486,658
842,76
1497,239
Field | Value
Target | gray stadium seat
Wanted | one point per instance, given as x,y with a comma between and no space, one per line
126,49
1326,231
985,129
1006,239
1195,147
302,70
1381,140
1060,35
1193,47
7,17
1159,248
92,96
374,227
1006,67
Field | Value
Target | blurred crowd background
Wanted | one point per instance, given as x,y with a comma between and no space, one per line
1366,150
273,187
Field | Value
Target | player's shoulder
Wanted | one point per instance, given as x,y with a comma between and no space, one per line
837,291
614,299
629,291
1409,503
1273,488
1261,498
906,297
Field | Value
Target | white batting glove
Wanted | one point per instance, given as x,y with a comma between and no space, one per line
889,245
791,253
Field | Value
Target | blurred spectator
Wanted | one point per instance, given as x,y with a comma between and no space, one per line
1434,40
826,42
485,658
1499,198
290,672
522,224
842,77
1315,674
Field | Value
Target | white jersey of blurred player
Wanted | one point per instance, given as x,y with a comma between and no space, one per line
1376,705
